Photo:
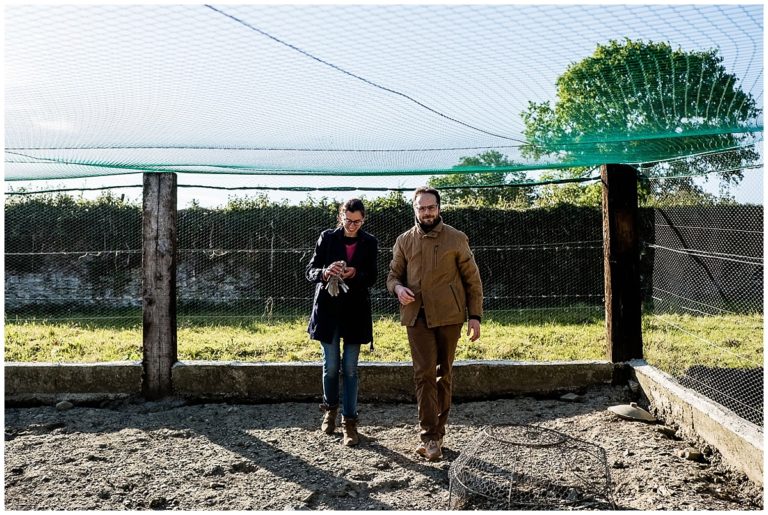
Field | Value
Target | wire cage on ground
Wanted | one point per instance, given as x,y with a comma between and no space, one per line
532,468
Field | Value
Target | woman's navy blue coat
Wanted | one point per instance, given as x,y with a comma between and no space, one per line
350,310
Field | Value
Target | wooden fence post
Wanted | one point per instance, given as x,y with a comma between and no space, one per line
159,283
621,258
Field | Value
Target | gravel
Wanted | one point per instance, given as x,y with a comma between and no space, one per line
171,455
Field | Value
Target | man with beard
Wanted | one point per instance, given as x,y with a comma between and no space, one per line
434,276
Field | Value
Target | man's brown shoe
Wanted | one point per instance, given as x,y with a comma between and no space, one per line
349,428
431,450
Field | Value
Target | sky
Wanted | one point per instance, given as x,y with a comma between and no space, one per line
416,87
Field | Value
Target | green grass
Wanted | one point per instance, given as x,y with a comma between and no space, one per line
675,342
522,335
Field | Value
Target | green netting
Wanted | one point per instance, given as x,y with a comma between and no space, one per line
376,90
507,109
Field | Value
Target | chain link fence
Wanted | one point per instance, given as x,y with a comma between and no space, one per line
703,319
72,276
241,265
73,273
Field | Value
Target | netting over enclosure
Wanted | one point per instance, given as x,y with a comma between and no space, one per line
530,468
270,115
97,90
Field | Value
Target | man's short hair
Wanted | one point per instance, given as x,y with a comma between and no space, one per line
426,189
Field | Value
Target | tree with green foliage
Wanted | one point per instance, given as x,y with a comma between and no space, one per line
484,188
670,111
393,199
578,194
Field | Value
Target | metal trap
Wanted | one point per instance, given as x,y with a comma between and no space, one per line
529,467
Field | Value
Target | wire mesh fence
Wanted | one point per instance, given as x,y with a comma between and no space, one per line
241,265
704,312
255,257
70,258
73,267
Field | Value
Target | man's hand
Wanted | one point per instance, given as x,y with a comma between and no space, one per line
473,329
404,295
348,272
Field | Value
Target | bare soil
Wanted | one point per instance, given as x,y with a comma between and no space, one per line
171,455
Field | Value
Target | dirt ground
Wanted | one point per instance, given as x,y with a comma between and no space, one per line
171,455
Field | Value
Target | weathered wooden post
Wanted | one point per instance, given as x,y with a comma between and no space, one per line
159,282
621,258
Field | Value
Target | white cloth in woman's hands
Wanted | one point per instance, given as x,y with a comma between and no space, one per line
336,283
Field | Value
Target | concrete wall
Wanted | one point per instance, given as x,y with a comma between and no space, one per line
50,382
380,381
740,442
268,382
53,287
75,286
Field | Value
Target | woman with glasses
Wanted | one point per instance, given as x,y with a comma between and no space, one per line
343,268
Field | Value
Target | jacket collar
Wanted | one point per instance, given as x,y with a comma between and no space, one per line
338,233
434,233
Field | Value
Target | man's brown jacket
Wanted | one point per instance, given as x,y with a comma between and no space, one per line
441,271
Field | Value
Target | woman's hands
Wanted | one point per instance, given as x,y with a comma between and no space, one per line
340,269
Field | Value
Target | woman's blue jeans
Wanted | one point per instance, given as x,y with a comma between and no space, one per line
333,363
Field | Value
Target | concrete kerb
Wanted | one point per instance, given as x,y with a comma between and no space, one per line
390,382
739,442
275,382
28,383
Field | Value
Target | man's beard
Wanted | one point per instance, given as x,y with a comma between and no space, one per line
426,227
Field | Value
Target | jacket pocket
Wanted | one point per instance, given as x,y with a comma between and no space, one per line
455,298
434,257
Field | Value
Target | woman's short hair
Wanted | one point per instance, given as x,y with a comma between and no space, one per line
354,205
